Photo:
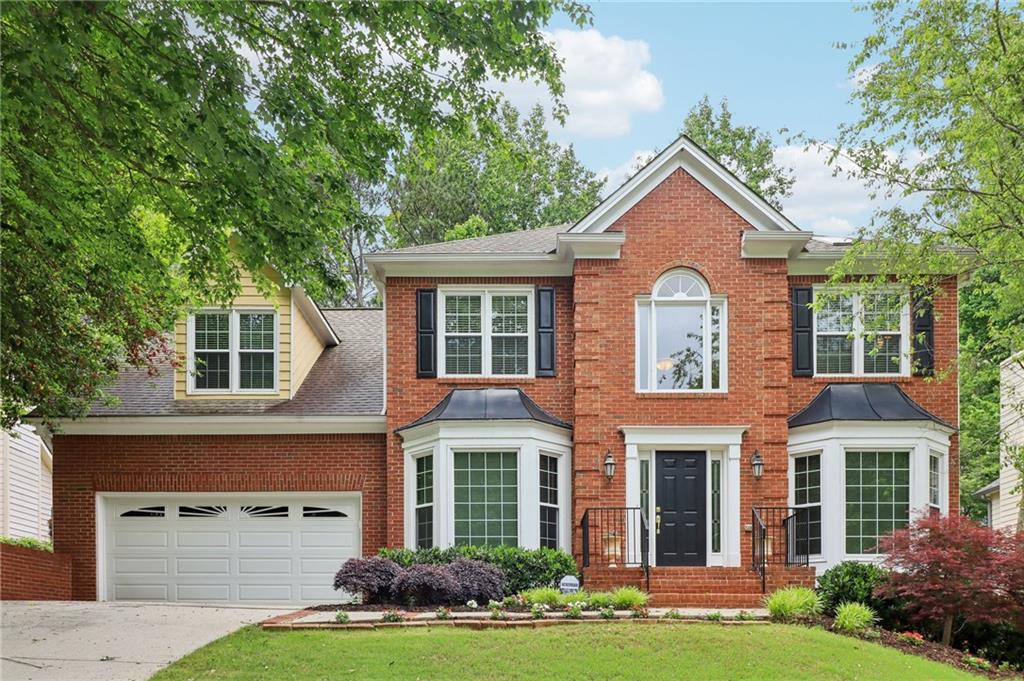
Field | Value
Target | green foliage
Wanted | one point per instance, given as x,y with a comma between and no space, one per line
582,597
793,603
28,543
853,617
745,150
672,614
976,662
607,613
628,597
714,616
138,138
542,595
744,616
342,617
599,600
487,180
393,616
524,568
852,581
574,611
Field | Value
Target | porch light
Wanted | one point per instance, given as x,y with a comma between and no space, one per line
609,465
757,464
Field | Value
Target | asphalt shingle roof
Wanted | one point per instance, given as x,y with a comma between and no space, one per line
347,379
542,240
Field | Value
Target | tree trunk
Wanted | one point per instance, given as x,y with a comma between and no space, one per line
947,630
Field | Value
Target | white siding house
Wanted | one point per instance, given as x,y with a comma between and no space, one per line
26,484
1006,501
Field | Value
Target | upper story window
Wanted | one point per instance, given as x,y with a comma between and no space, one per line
486,332
681,336
232,351
862,333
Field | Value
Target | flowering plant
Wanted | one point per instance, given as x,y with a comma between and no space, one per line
574,610
472,604
607,613
639,612
537,610
393,616
342,617
443,613
911,637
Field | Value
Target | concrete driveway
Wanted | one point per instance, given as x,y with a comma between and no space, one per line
42,640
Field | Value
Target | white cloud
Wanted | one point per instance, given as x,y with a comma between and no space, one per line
863,76
826,204
614,177
606,83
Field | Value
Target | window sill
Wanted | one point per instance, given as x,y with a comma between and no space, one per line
666,395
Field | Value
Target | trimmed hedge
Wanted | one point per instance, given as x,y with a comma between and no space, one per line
523,568
381,580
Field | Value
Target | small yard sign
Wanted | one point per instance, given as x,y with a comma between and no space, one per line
569,584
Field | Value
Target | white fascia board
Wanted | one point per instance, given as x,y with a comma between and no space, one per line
856,431
683,436
773,244
684,154
818,263
591,246
484,432
384,265
254,424
311,311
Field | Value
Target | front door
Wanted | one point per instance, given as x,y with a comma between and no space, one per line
680,498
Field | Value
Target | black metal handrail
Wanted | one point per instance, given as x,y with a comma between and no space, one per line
781,536
622,538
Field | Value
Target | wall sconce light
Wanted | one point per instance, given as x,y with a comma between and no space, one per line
609,465
757,464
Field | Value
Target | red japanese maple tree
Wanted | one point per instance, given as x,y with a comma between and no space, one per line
944,567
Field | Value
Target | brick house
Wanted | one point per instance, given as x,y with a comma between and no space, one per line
647,388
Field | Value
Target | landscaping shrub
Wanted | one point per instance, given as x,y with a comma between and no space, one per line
627,597
793,603
853,617
1000,643
27,543
523,568
599,600
856,582
578,597
370,578
476,581
426,585
544,595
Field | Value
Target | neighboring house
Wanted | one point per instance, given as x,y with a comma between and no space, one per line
26,484
1003,494
646,388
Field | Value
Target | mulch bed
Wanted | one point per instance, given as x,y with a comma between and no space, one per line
357,607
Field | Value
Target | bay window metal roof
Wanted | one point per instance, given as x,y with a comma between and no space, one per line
487,404
862,402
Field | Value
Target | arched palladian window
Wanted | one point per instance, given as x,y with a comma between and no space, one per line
681,336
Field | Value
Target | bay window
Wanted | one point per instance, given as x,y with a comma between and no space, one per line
861,333
548,501
807,501
425,502
487,332
681,336
232,351
877,497
486,499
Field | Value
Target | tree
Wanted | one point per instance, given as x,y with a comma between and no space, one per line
151,149
948,567
942,129
745,150
471,183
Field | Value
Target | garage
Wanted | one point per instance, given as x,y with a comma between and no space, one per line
231,548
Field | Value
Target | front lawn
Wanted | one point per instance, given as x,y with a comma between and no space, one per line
625,650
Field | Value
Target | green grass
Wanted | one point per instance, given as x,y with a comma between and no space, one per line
620,650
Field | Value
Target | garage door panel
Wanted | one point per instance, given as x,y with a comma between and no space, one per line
277,549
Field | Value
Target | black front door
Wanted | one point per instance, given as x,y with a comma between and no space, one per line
680,500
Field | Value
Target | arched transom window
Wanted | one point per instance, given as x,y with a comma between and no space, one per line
681,336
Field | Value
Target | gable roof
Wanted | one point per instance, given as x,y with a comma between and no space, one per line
862,402
347,379
486,404
541,240
686,154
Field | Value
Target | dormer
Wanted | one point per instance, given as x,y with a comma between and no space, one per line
258,347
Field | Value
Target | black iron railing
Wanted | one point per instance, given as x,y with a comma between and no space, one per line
616,537
782,535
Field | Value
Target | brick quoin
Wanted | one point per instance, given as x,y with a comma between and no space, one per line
87,464
33,575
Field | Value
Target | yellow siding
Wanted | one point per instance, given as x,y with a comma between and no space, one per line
250,297
307,348
1006,511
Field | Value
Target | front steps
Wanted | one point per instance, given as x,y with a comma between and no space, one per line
700,587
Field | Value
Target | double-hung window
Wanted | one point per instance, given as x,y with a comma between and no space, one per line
548,501
425,502
681,336
861,333
487,332
807,500
934,484
232,351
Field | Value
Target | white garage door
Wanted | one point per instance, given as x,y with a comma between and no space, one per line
228,548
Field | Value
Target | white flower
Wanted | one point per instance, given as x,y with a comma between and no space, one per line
471,604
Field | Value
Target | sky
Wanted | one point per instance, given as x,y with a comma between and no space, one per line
632,76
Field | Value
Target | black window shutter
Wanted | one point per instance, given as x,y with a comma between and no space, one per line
426,333
803,331
923,325
545,331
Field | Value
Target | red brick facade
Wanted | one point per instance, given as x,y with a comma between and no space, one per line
86,465
33,575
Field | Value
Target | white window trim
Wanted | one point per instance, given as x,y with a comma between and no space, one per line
858,334
652,341
943,480
486,293
814,557
833,439
558,505
233,351
416,506
527,439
